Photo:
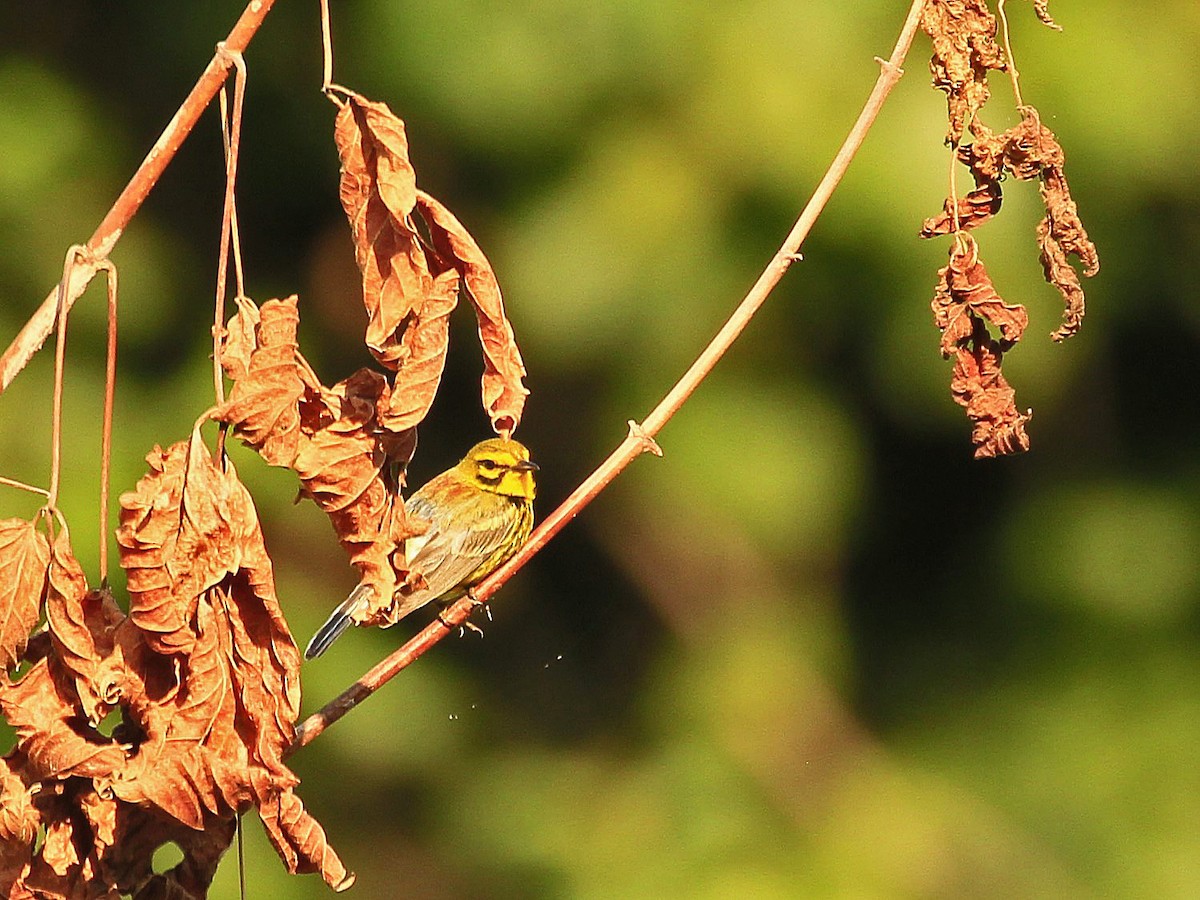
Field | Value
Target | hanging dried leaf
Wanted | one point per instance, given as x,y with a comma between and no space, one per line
965,296
351,467
965,303
409,288
973,210
1041,9
504,391
979,385
205,674
24,558
19,822
349,455
1030,149
300,840
240,339
264,403
52,738
963,34
1059,234
422,356
378,193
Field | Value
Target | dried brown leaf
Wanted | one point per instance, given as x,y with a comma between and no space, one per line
240,339
1041,9
347,465
965,303
19,821
409,289
206,675
378,193
300,840
966,296
178,536
24,558
963,34
1030,148
504,391
51,734
264,404
980,386
216,743
82,627
422,356
973,210
1061,233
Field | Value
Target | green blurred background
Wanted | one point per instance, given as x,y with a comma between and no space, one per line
817,650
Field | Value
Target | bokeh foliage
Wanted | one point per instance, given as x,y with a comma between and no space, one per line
816,650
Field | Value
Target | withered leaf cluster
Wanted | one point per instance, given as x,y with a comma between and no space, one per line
411,282
165,723
963,33
160,725
349,443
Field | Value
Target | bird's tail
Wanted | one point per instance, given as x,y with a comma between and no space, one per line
339,620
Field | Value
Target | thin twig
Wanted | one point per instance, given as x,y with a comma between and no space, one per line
108,232
20,485
110,389
75,254
326,49
641,437
231,130
1012,62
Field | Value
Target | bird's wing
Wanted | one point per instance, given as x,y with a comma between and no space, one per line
446,556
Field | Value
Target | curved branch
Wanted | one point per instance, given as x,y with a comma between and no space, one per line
31,337
641,437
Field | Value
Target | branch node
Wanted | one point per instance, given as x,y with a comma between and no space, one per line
229,57
890,67
648,444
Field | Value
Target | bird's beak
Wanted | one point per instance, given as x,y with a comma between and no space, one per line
526,465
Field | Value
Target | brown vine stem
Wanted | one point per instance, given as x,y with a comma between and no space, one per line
231,136
110,389
1013,74
641,436
40,325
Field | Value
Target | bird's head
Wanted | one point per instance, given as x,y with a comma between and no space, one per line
501,467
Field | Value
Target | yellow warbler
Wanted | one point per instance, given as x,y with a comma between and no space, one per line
480,513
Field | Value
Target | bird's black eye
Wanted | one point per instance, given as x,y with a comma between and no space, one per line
489,464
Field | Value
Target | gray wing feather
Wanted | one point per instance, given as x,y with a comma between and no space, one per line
446,559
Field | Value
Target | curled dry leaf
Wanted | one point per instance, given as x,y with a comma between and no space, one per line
300,840
347,455
1061,233
24,558
980,386
964,304
1027,151
205,676
963,34
264,402
504,390
1041,9
973,210
965,296
414,256
378,192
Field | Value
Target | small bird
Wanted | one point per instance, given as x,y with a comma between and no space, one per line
480,513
